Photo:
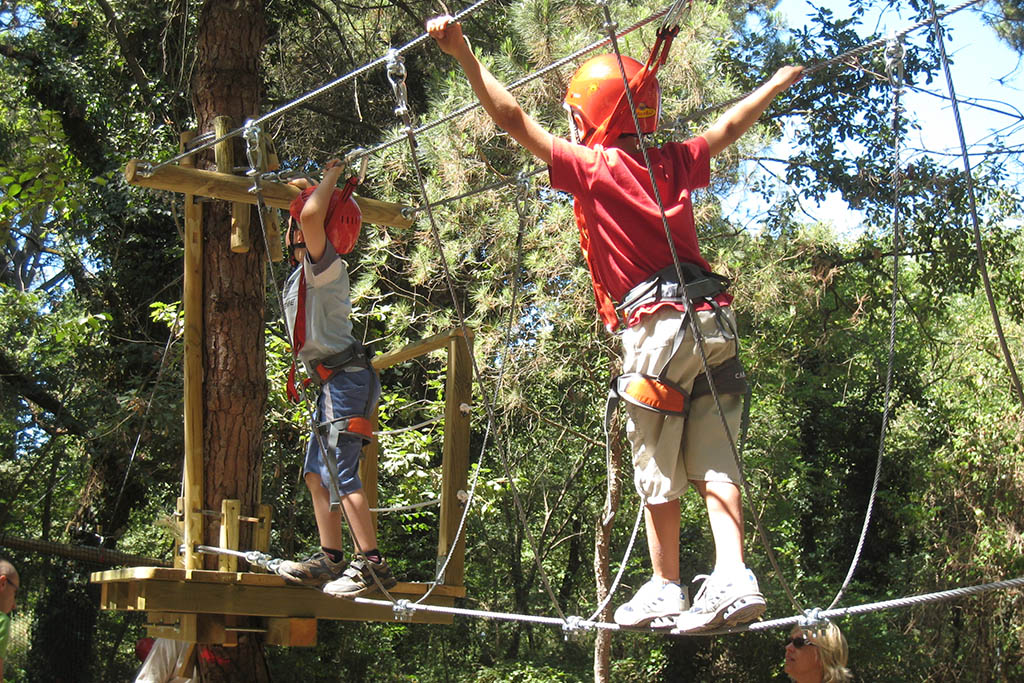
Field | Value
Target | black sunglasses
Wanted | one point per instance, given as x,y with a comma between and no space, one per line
799,641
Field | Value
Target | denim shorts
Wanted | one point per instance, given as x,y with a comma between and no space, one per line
350,393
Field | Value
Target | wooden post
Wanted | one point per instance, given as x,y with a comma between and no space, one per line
230,509
261,537
224,154
458,395
368,468
193,304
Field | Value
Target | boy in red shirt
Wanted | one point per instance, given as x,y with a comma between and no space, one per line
623,238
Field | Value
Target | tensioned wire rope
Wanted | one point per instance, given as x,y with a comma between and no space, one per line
808,618
312,94
979,247
396,75
894,69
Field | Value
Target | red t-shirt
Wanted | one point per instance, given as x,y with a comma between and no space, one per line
625,241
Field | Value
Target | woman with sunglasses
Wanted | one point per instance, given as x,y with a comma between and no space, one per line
817,655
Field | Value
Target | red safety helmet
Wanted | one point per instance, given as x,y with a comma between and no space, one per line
341,224
595,90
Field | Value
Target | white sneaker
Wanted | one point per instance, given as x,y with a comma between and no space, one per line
725,599
654,601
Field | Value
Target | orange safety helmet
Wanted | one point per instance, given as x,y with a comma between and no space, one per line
595,90
341,224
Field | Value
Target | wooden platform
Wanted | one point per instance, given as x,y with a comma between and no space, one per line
213,607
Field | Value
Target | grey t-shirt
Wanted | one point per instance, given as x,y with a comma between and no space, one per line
328,306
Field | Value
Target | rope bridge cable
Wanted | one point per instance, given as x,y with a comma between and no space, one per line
522,81
312,94
840,58
101,556
979,247
396,74
574,623
894,67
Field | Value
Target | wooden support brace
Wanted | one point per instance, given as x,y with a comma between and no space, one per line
261,536
192,302
458,395
224,154
291,632
235,188
229,511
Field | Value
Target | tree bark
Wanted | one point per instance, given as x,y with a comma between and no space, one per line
227,83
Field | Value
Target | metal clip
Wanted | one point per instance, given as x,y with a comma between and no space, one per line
358,155
402,610
144,169
251,135
894,60
396,76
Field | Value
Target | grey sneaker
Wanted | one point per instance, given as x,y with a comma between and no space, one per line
725,599
656,603
358,578
315,570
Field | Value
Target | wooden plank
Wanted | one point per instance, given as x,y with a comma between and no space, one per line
263,601
127,576
236,189
458,392
416,349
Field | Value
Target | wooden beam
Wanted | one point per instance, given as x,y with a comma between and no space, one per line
458,394
224,157
230,508
420,348
235,188
192,302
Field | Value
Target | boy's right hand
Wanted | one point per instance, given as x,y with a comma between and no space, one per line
448,34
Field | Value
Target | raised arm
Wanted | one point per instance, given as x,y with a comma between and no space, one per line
314,212
497,101
741,116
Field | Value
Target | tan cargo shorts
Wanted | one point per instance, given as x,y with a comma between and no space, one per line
668,450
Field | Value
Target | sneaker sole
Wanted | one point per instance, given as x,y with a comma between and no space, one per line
361,591
649,619
741,610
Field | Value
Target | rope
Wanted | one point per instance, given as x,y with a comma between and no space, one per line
979,247
396,74
411,506
840,58
523,81
574,623
313,94
102,556
145,415
894,68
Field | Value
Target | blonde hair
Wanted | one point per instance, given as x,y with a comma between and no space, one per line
832,650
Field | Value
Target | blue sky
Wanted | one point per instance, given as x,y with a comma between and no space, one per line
984,70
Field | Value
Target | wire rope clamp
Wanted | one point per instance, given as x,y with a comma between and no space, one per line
402,610
812,618
894,60
465,408
251,135
396,76
573,625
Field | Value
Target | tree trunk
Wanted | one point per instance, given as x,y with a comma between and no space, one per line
227,83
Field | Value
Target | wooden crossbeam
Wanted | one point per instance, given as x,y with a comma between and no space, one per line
234,188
